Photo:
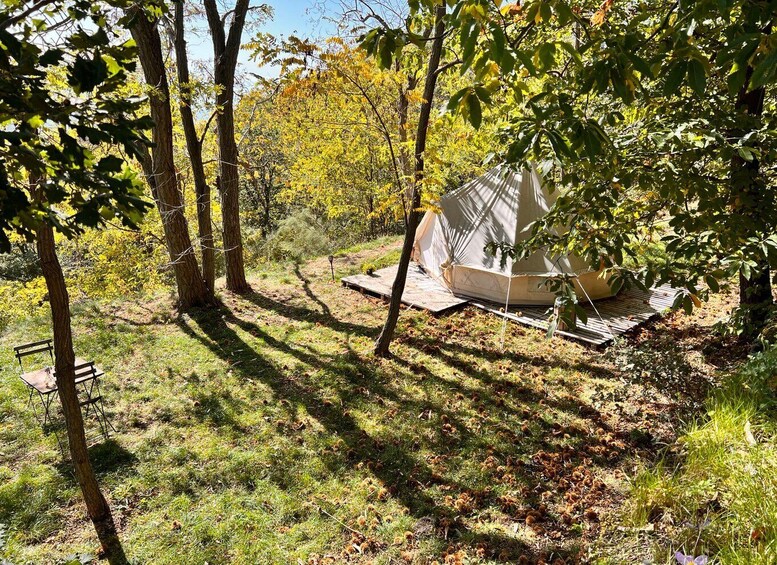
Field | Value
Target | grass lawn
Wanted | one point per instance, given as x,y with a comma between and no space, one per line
265,431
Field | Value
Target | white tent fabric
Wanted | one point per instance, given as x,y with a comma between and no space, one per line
500,206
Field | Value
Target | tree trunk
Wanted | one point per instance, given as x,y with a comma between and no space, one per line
414,215
403,106
755,293
267,201
191,288
225,52
96,505
194,148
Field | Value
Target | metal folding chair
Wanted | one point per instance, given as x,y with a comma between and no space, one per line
88,377
42,382
44,375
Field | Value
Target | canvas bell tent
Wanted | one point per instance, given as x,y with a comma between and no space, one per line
500,206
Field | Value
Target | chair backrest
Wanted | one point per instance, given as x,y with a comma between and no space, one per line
85,370
34,348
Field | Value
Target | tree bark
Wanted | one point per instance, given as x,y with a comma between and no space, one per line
414,214
403,106
96,505
194,148
192,291
755,293
225,52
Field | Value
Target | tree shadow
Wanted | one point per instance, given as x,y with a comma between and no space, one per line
304,314
106,457
405,476
545,456
310,294
110,456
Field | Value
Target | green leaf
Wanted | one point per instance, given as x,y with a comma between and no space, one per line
545,11
736,79
581,314
455,100
765,71
640,65
746,153
688,304
507,63
483,93
86,74
674,78
563,12
498,44
475,112
547,55
697,78
51,57
469,38
385,51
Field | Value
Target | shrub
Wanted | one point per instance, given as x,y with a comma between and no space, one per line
298,236
22,300
21,264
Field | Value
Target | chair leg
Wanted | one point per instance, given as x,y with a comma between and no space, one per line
101,408
33,405
46,400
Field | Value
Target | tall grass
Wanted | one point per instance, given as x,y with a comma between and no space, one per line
715,493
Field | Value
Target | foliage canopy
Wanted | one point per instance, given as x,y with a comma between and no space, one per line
62,69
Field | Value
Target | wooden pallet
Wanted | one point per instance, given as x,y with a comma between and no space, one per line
616,316
421,290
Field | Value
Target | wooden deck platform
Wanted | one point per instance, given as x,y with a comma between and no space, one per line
620,314
421,290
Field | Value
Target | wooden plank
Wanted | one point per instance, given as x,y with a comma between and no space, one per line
421,290
619,314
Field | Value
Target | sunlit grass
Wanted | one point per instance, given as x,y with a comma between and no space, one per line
266,432
718,494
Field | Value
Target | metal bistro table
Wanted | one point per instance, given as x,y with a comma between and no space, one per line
42,382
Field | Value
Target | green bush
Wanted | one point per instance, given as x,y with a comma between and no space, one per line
298,236
21,264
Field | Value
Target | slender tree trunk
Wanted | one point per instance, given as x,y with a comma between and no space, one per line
414,215
194,148
403,106
96,505
191,287
267,202
225,51
755,293
147,164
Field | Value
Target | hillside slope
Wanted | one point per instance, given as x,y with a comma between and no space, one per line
265,431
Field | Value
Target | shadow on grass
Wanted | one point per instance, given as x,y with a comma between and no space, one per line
403,475
107,456
110,456
406,476
303,314
310,294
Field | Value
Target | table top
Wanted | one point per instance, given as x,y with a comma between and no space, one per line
44,380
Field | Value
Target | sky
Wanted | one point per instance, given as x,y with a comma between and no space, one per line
312,19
